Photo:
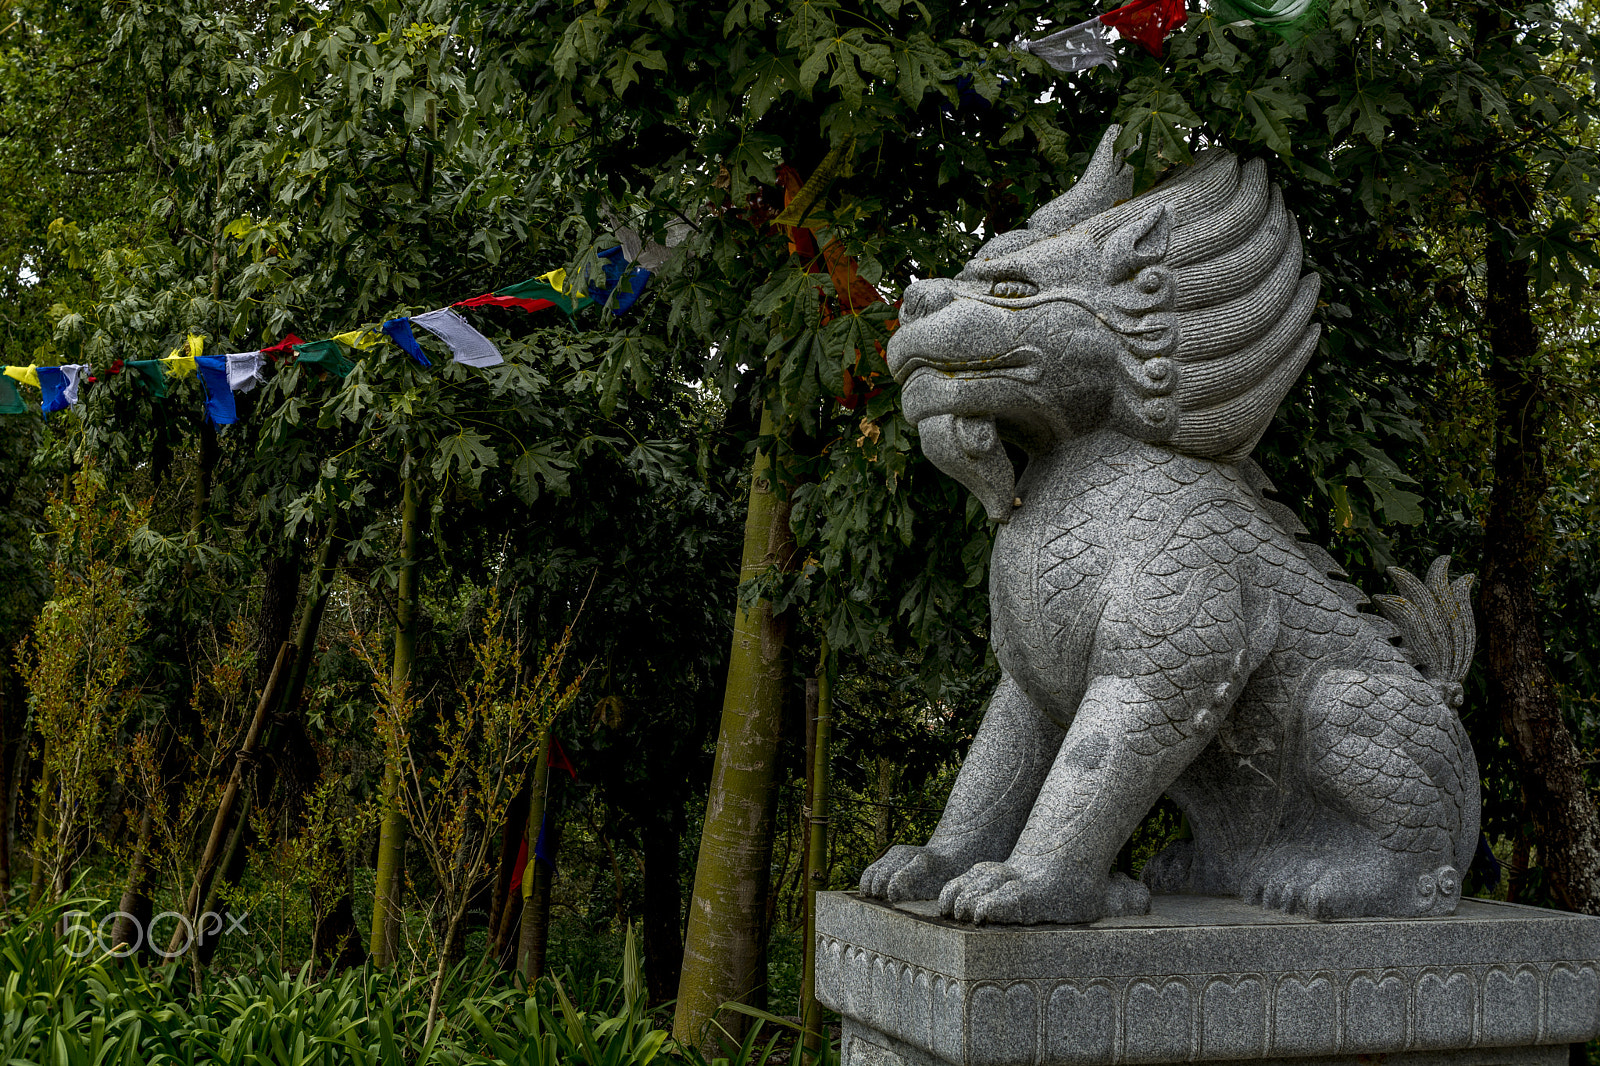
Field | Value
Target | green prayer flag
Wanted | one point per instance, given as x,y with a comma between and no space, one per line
540,288
152,374
328,355
1286,18
10,400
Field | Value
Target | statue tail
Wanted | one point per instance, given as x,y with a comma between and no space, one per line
1434,619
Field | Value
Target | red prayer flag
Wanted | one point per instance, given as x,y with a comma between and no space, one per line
283,347
1147,21
492,300
557,759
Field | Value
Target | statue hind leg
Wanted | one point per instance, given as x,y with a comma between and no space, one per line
993,795
1394,780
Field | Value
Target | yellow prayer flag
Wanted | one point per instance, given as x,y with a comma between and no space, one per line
361,339
556,279
28,375
179,366
197,346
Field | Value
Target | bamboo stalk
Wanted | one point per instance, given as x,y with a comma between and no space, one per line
222,822
386,910
530,960
812,1042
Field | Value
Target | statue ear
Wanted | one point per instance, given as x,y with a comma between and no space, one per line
1134,245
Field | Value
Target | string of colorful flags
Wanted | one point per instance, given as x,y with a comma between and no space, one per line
1150,22
624,269
624,272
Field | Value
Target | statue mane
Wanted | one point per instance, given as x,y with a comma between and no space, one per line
1218,323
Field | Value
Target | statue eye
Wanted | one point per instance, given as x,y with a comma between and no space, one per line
1011,289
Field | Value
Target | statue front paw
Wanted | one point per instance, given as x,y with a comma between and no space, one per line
906,873
1012,894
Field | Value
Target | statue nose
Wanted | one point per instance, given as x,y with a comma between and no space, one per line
923,298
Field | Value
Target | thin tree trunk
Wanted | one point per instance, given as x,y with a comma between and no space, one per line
336,939
41,830
386,907
530,946
210,930
1520,684
817,859
511,828
723,958
537,907
243,770
883,817
1521,852
136,908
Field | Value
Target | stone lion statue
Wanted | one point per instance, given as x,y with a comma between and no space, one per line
1158,624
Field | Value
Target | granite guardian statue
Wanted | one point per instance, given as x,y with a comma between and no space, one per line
1159,626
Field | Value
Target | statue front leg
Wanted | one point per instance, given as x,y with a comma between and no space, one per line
1123,750
993,796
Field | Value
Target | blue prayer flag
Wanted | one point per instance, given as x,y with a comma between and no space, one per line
399,331
219,395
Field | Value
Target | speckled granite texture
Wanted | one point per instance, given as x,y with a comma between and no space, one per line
1209,979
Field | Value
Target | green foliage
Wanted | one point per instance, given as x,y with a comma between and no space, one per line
62,1002
78,665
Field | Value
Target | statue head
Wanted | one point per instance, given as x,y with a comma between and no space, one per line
1178,317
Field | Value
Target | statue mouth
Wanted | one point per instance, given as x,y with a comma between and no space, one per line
1019,364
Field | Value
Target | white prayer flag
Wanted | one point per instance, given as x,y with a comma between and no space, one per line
465,343
1075,48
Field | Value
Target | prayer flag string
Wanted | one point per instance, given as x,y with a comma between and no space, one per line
620,280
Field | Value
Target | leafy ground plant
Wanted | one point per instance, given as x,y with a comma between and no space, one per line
65,1002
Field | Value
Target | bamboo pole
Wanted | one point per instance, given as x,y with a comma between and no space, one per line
222,822
386,909
812,1041
530,958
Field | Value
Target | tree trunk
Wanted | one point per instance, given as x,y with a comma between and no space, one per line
812,1039
386,907
536,910
136,909
336,939
723,958
883,817
532,934
41,829
237,793
662,840
280,594
1520,684
511,829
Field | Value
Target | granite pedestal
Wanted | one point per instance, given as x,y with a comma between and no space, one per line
1206,979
